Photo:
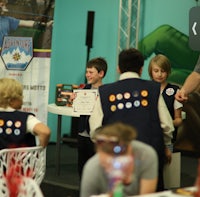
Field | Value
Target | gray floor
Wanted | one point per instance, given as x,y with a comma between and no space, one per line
67,183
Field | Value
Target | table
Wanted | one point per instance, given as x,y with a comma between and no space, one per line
59,111
169,193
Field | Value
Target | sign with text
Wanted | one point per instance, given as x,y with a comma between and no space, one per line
25,50
194,28
17,52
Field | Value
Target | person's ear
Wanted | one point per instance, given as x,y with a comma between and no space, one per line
101,73
140,72
118,70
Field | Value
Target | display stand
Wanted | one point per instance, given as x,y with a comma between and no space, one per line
60,111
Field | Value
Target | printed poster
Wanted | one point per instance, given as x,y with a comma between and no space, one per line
25,41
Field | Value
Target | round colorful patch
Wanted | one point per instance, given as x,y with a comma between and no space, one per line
128,105
135,93
9,123
120,106
119,96
136,103
170,91
18,124
144,93
112,98
8,131
113,108
127,95
144,102
16,131
1,122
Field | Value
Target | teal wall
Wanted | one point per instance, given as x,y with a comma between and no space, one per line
68,58
173,12
159,12
68,46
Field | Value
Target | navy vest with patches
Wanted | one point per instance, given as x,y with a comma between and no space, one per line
13,130
135,102
169,97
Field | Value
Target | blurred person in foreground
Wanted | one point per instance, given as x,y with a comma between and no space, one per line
120,159
18,128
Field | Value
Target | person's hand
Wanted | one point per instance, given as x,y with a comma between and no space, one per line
49,23
72,96
168,155
181,96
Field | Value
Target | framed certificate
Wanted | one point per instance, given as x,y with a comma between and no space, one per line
84,101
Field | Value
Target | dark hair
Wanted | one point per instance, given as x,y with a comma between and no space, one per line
99,63
130,60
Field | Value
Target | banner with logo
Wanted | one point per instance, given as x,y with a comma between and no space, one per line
25,40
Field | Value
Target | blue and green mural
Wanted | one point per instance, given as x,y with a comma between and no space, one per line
169,41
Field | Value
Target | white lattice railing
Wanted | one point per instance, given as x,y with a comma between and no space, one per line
31,162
